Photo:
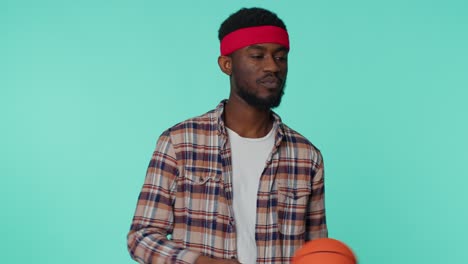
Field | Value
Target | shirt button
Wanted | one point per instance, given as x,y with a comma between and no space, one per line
201,179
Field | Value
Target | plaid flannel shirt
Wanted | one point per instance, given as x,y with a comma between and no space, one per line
188,193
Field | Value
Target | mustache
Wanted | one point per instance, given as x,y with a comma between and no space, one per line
270,78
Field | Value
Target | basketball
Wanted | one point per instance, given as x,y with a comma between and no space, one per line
324,251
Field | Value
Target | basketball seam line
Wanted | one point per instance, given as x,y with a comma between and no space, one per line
328,251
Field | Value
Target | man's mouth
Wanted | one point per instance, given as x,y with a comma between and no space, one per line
270,82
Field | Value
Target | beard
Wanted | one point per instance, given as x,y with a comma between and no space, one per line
267,103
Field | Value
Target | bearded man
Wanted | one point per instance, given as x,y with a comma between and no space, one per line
235,185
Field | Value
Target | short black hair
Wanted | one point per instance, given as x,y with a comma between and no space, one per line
249,17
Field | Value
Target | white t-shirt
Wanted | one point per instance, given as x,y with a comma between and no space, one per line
249,157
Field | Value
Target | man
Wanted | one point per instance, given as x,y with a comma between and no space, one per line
234,185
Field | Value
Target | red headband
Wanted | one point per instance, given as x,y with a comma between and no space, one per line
253,35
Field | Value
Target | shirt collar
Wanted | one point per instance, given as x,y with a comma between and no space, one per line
222,128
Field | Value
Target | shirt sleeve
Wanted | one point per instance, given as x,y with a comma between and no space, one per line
316,219
153,220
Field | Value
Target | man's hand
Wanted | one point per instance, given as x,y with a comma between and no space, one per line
208,260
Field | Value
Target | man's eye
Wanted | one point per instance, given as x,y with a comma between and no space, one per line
257,56
281,58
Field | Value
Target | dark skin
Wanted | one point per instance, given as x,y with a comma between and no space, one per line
261,70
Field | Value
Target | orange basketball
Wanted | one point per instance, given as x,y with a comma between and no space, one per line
324,251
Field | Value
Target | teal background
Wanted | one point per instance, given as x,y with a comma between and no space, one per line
86,87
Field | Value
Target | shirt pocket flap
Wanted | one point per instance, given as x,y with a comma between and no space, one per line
295,192
201,175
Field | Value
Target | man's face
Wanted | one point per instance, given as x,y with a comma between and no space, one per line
259,74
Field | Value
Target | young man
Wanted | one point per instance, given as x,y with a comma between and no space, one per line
234,185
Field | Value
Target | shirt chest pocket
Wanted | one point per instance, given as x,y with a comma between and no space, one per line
202,187
292,208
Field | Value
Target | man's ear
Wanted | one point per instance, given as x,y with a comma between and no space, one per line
225,64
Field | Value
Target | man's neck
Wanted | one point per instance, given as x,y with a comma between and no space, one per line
246,120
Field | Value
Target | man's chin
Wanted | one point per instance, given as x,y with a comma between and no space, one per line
264,103
267,102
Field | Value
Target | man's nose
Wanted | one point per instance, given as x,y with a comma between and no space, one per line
270,64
